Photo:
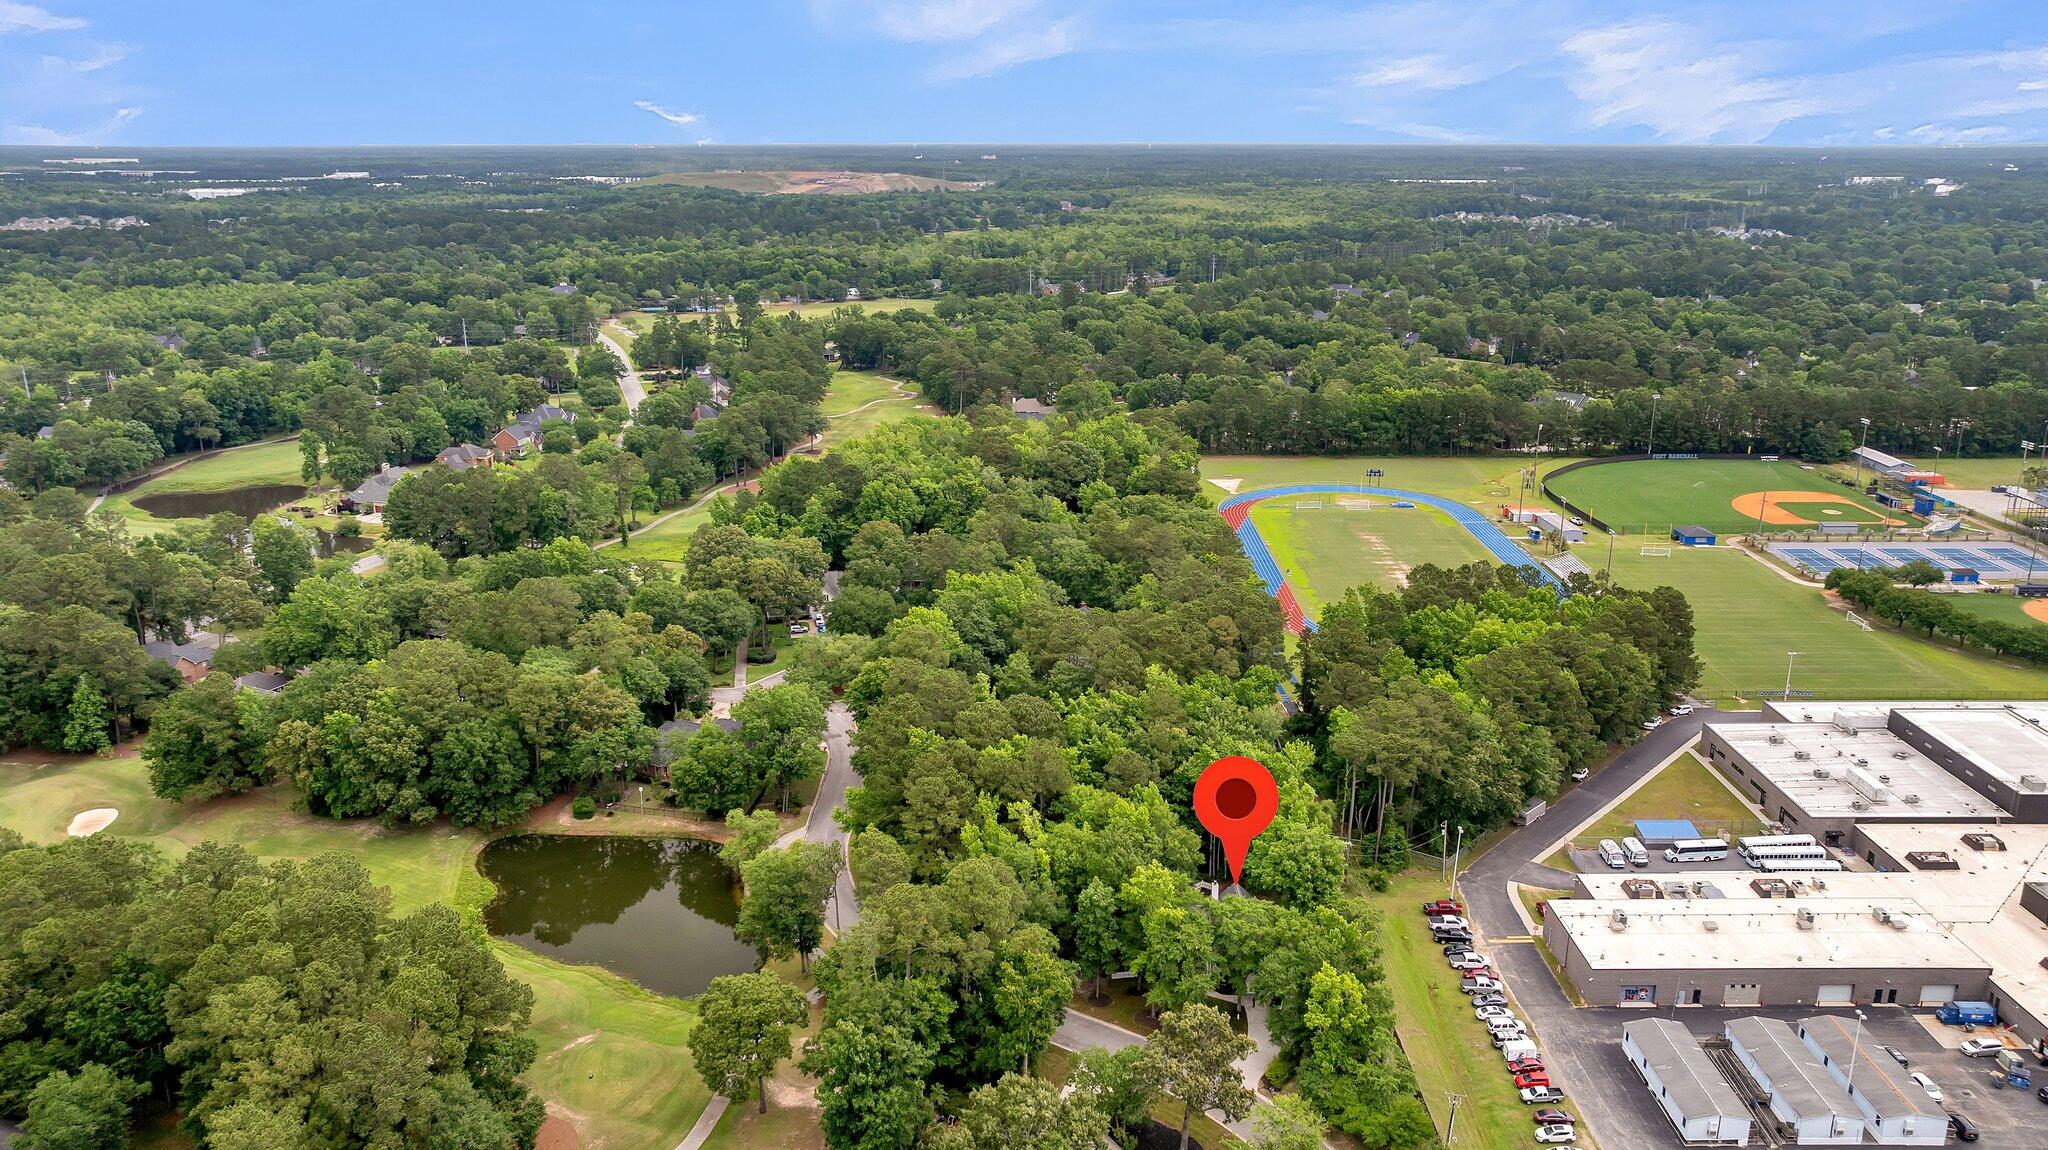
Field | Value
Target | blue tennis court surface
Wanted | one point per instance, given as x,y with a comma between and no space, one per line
1990,560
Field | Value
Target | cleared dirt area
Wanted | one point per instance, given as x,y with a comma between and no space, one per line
795,183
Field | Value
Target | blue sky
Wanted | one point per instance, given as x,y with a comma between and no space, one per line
1806,72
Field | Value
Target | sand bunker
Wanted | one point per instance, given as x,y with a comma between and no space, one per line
91,822
1771,504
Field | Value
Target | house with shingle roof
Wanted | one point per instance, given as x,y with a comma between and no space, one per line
463,456
375,492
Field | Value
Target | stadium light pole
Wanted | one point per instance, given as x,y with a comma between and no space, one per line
1860,449
1789,656
1654,397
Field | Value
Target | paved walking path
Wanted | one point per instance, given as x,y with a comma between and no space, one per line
706,1123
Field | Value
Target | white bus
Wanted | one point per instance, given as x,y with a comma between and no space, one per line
1611,854
1754,841
1752,857
1785,866
1633,848
1696,850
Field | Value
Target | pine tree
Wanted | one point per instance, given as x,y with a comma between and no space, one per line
85,725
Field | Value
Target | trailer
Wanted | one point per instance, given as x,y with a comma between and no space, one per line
1966,1013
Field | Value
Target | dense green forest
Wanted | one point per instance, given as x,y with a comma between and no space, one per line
1041,627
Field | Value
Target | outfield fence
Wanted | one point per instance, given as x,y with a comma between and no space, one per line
1602,524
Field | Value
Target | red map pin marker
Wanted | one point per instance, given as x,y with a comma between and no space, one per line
1236,800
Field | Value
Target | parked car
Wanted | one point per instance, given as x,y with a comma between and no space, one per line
1454,949
1461,937
1554,1118
1555,1133
1443,906
798,627
1533,1095
1489,1000
1582,774
1487,1013
1532,1078
1481,985
1898,1056
1964,1129
1515,1033
1921,1080
2042,1094
1577,522
1471,960
1682,709
1525,1065
1448,922
1979,1047
1652,724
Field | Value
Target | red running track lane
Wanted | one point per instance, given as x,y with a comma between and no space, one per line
1297,621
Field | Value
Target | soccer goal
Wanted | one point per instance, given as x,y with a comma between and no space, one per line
1354,505
1658,550
1309,505
1860,621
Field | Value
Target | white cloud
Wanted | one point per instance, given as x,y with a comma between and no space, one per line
2033,85
946,20
1685,87
1001,54
679,119
16,17
1428,72
1884,133
40,134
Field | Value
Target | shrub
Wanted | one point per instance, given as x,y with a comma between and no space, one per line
584,807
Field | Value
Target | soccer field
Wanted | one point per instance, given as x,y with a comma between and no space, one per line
1328,549
1650,496
1747,617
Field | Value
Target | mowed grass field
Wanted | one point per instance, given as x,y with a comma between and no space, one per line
1481,480
1449,1050
1687,789
1746,617
1328,549
2003,608
1650,496
611,1057
1980,472
251,466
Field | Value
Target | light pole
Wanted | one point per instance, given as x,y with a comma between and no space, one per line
1529,477
1789,656
1455,853
1654,397
1854,1048
1860,449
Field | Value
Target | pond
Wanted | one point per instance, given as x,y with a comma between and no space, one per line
245,502
658,911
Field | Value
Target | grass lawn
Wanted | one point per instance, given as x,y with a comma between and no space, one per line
610,1053
1450,1052
1747,617
1687,789
817,309
2004,608
1652,495
667,540
1326,551
850,389
793,1111
252,466
1978,472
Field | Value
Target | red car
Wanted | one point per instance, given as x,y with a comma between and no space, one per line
1525,1065
1444,906
1554,1118
1531,1078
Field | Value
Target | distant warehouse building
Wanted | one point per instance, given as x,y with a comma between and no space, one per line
1805,1098
1892,467
1687,1087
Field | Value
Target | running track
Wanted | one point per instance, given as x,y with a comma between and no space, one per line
1237,511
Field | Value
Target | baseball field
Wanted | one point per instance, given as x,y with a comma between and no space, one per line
1650,496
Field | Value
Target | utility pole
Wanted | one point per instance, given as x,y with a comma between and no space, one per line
1654,397
1860,449
1451,1131
1455,853
1443,832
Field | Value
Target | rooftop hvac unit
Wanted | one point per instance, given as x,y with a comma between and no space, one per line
1885,779
1775,740
1618,920
1802,756
1862,761
1900,755
1805,918
1901,922
1881,914
1823,773
1858,805
1910,800
2033,783
1710,924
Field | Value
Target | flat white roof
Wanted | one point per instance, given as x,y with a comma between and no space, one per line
1759,934
1797,1079
1866,775
1878,1080
2005,742
1683,1069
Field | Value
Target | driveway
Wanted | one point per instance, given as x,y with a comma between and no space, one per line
630,384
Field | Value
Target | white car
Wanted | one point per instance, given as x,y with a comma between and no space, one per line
1489,1013
1470,961
1979,1047
1555,1134
1577,522
1531,1095
1652,724
1682,709
1921,1080
1448,922
1582,774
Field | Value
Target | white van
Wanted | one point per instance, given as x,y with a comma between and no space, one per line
1610,853
1633,848
1520,1048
